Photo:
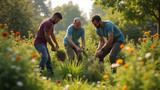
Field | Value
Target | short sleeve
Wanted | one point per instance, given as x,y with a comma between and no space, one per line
110,28
47,26
98,33
69,32
83,33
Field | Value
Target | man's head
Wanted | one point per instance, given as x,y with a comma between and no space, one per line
77,23
96,20
57,16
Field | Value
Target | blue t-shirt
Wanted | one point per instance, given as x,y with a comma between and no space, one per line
75,34
109,27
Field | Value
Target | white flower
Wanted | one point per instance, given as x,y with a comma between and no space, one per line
33,61
30,50
18,68
17,52
45,78
69,75
104,86
36,69
139,58
114,65
83,76
98,82
98,86
13,66
147,55
78,82
19,83
66,87
9,49
127,48
13,59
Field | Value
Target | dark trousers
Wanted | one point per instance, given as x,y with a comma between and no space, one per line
113,49
70,52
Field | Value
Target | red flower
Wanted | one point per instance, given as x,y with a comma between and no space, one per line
58,81
5,34
17,33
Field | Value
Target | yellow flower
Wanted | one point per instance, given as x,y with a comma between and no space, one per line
58,40
124,87
105,76
139,39
131,39
119,61
5,24
29,31
11,31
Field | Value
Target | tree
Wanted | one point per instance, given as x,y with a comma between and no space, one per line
97,10
42,8
18,15
69,12
135,10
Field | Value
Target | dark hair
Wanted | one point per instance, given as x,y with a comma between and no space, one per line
58,14
96,17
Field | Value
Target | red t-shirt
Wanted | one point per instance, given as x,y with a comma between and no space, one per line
46,25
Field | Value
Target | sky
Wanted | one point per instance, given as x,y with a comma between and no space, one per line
84,5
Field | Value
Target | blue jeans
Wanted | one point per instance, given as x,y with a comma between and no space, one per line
45,57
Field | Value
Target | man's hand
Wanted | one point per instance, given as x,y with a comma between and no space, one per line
99,53
57,46
79,49
53,48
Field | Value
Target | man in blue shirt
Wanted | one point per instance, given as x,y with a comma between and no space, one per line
74,32
114,37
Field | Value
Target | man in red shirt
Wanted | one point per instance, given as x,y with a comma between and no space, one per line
43,36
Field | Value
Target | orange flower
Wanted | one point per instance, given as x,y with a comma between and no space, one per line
18,33
142,62
105,76
34,55
144,40
122,46
153,46
146,77
1,25
7,56
124,87
7,27
139,39
131,50
131,39
11,31
5,24
31,35
40,53
18,58
58,40
5,34
93,51
119,61
125,66
25,41
29,31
